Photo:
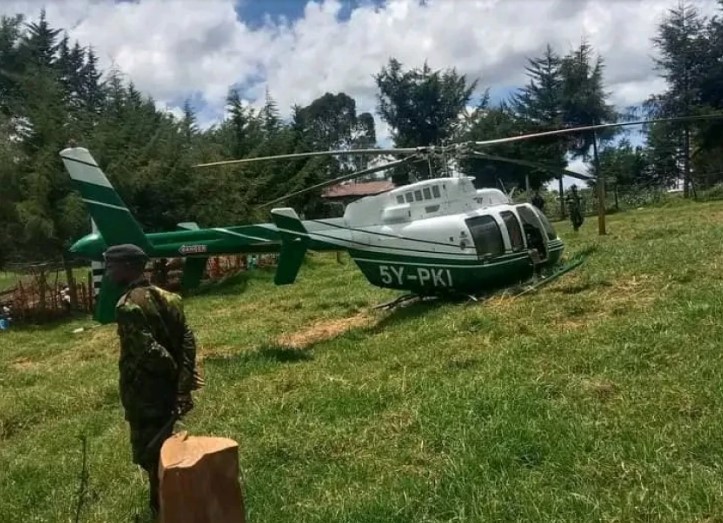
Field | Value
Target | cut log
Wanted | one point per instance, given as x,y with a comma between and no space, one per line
199,480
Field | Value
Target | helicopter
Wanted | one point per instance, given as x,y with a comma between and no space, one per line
435,237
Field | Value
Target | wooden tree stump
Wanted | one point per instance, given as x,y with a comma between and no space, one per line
199,480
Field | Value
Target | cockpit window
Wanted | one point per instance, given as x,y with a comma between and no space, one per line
400,199
551,234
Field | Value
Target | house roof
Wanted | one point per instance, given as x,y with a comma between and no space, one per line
344,190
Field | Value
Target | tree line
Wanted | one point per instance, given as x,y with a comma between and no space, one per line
53,92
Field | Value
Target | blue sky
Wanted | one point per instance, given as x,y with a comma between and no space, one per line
257,12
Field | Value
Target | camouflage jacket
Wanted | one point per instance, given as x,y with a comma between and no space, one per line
157,351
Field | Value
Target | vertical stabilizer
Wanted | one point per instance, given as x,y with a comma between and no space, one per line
294,242
112,217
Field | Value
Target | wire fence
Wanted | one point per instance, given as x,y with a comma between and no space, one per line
617,199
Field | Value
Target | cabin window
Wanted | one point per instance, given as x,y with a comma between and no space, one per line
400,199
431,208
427,193
418,196
486,235
410,197
514,229
435,191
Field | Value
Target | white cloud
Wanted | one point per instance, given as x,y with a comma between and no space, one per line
173,49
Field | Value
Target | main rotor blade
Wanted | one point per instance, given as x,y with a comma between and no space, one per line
525,163
595,127
350,152
341,179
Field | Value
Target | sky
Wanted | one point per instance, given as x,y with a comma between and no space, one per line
178,50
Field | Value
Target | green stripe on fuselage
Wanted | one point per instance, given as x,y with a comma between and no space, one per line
432,276
442,274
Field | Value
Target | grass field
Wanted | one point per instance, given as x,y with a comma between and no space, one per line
598,398
8,280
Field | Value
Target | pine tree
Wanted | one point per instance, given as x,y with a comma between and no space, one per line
189,127
239,123
584,99
708,158
40,43
421,107
538,106
270,116
11,63
92,87
682,49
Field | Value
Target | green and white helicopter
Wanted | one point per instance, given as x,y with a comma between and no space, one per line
436,237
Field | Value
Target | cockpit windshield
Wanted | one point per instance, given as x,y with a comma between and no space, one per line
551,234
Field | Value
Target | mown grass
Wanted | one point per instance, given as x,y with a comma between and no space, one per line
597,398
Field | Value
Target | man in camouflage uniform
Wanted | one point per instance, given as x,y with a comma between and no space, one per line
574,206
157,359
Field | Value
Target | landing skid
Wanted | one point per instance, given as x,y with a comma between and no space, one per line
538,280
404,300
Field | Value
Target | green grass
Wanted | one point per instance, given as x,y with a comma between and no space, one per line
598,398
8,280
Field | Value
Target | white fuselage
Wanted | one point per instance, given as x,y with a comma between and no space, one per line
427,219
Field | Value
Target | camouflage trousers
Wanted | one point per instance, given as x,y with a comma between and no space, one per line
142,434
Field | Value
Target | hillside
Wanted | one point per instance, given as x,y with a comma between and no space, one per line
597,398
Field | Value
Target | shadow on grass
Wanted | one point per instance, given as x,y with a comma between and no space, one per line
402,314
283,354
249,361
39,325
233,284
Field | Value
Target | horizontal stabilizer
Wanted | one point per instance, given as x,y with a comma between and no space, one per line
294,242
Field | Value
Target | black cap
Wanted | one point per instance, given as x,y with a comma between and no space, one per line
125,253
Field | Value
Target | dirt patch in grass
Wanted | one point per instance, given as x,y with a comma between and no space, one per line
23,364
324,330
570,324
501,303
601,389
636,292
